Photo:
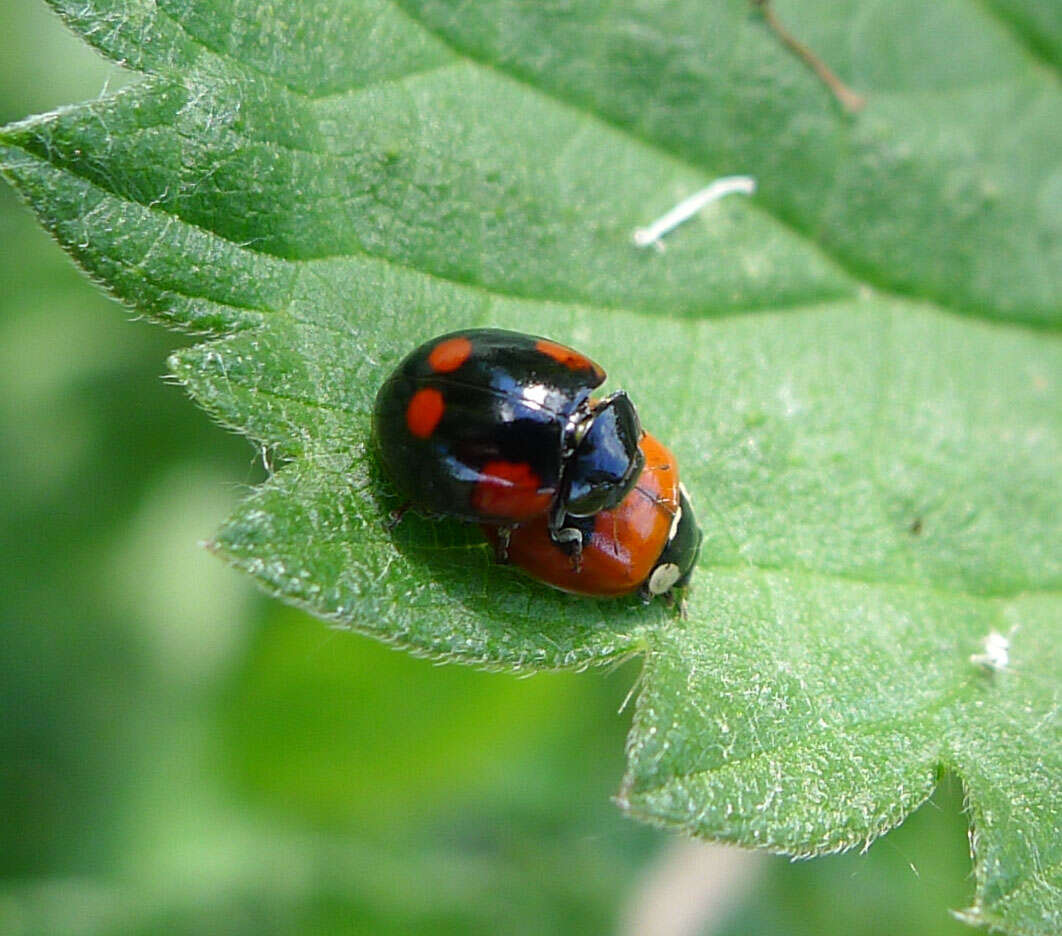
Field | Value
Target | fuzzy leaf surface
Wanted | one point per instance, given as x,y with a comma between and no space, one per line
858,369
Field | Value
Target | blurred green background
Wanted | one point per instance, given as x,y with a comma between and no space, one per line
180,755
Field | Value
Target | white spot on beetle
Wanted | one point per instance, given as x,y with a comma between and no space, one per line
663,578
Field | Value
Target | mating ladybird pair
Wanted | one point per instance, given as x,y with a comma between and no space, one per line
500,428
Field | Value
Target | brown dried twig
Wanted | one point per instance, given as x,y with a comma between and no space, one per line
850,100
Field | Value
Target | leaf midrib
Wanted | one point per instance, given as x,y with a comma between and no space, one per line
848,264
489,292
1011,28
860,275
493,293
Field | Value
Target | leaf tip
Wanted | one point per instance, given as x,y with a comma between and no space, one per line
971,916
622,799
181,365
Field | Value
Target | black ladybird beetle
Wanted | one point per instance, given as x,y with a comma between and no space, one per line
649,542
498,427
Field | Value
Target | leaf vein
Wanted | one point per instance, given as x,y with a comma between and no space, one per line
227,57
865,729
486,291
841,258
1039,879
835,576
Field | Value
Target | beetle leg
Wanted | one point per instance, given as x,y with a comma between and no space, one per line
570,539
396,516
556,520
677,603
501,545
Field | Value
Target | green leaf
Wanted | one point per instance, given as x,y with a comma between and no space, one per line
858,369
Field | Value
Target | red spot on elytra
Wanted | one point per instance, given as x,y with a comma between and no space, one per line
568,357
424,411
449,355
511,490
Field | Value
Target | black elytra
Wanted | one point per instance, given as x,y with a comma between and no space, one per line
497,427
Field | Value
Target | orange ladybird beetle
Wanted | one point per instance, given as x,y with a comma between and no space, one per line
649,542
